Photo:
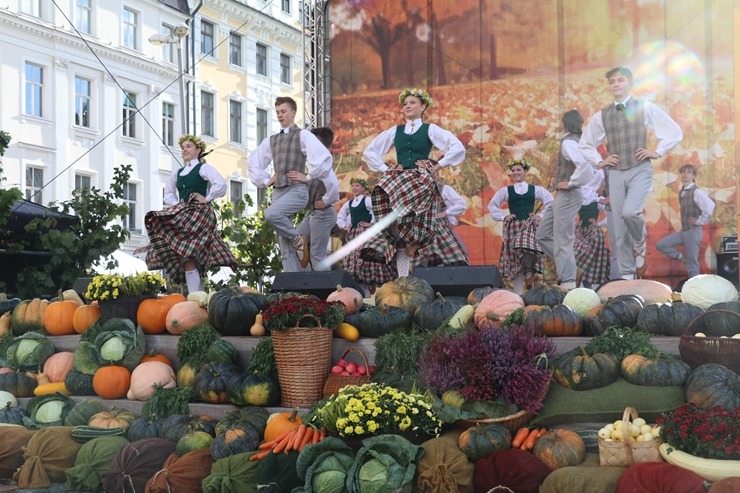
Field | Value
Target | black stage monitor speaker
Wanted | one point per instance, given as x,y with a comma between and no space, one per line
727,267
459,281
320,284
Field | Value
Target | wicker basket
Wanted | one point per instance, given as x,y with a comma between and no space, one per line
303,357
336,382
699,350
513,421
625,454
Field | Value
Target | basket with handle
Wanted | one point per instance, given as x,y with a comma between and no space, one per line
303,357
335,382
697,350
626,453
512,422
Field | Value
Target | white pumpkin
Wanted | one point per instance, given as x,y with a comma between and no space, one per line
582,300
7,400
146,376
705,290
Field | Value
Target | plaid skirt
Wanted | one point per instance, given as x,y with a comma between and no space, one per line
517,236
365,271
445,249
592,255
414,195
185,232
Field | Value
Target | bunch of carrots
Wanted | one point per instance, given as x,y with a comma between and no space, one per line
290,440
525,438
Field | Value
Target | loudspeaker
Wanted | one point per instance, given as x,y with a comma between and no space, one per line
320,284
459,280
727,267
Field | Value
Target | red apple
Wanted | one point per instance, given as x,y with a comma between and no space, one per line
371,370
345,373
342,363
337,369
351,367
362,369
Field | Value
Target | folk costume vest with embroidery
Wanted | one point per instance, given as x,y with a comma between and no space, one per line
287,155
566,167
359,213
191,183
688,208
521,205
625,132
412,147
316,190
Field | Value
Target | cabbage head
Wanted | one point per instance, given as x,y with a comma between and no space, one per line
385,464
324,466
29,352
48,410
117,341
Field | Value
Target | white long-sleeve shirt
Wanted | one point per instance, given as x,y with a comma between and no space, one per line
455,204
444,140
344,219
703,202
216,183
331,183
502,195
590,189
583,171
666,131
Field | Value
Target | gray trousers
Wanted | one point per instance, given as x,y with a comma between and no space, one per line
628,190
691,241
556,233
613,263
286,203
317,226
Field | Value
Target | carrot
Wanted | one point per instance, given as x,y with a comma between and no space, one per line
316,437
272,443
260,455
293,445
531,439
323,433
284,442
306,438
520,436
542,432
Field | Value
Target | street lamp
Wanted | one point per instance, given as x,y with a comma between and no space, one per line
179,32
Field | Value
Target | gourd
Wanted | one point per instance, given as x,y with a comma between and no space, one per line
5,324
58,317
84,317
477,294
279,423
83,411
349,297
232,311
258,327
658,372
650,291
432,314
484,439
79,383
51,388
234,441
494,308
58,366
112,382
554,321
221,350
20,384
185,315
195,440
578,370
114,417
545,294
582,300
151,315
7,400
255,417
155,355
668,319
405,292
621,311
200,296
254,390
212,381
348,332
711,385
175,426
144,427
704,290
186,375
12,414
383,319
28,316
146,377
560,448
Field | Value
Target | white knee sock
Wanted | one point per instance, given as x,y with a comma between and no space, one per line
192,279
518,284
403,263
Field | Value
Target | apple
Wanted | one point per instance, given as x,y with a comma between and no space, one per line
351,367
362,370
345,373
337,370
342,363
371,370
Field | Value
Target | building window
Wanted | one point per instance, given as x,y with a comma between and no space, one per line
34,90
236,195
206,38
34,184
235,49
83,14
129,115
261,125
82,102
261,59
168,124
285,77
81,181
168,49
285,5
235,121
130,26
129,199
206,113
31,7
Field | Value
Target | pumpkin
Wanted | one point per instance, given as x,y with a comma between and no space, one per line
234,441
186,375
151,315
254,390
147,377
200,296
560,448
432,314
621,311
667,319
405,292
28,316
155,355
5,324
221,350
12,414
477,294
173,298
18,383
212,381
195,440
112,382
84,317
279,423
114,417
383,319
258,327
7,399
650,291
704,290
718,322
711,385
349,297
58,317
82,412
175,426
484,439
554,321
255,417
494,308
578,370
232,312
582,300
7,305
58,366
79,383
185,315
658,372
144,427
545,294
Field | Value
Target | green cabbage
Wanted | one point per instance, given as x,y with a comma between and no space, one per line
330,474
324,466
113,349
384,464
118,341
29,352
48,410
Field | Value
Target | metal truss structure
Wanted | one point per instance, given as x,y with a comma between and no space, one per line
316,69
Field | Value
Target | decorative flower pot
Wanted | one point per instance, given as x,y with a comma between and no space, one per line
710,469
122,307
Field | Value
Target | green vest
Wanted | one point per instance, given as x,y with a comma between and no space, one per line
359,214
411,148
191,183
521,205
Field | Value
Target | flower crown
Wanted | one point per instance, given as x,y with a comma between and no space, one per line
195,140
519,162
359,181
419,93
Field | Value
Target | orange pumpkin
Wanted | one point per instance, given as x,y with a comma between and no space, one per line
560,448
58,317
152,315
173,298
112,382
279,423
155,355
114,417
84,317
185,315
495,307
58,365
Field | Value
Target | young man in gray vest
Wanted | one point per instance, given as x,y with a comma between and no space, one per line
292,149
696,211
624,125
